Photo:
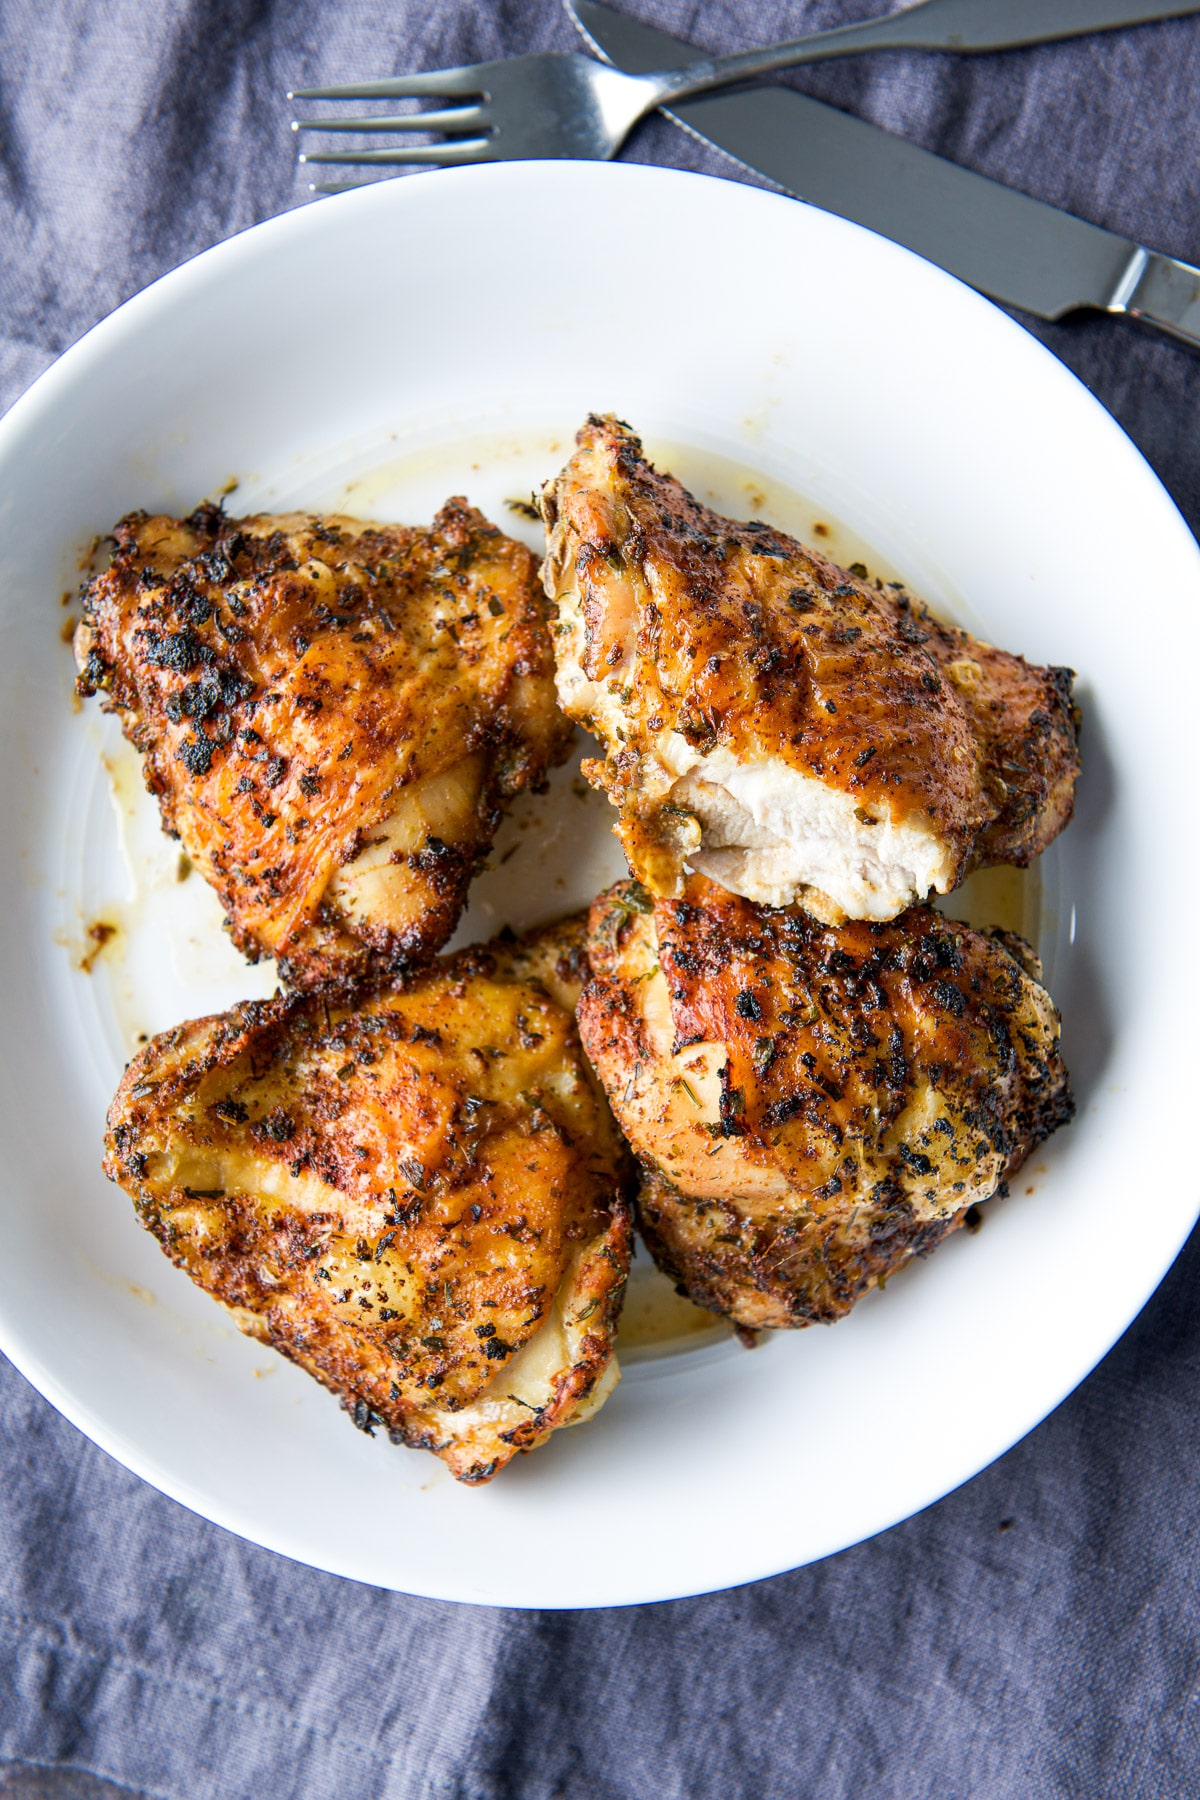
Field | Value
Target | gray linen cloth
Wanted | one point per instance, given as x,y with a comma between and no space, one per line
1034,1634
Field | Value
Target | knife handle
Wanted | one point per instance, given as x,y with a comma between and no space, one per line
1160,290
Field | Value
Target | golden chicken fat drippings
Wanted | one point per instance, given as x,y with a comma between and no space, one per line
331,714
812,1105
774,721
420,1198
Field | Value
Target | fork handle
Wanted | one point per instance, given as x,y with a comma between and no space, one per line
965,27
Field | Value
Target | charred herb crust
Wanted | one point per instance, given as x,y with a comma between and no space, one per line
285,680
396,1190
888,1075
744,640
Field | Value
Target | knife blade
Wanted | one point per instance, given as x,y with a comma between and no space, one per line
1013,248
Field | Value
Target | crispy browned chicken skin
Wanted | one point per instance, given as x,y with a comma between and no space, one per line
421,1199
812,1105
795,732
331,715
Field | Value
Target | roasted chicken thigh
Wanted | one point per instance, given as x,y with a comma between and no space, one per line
419,1198
812,1105
331,715
777,722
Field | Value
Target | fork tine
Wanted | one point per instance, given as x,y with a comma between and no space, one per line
344,187
450,118
430,84
458,150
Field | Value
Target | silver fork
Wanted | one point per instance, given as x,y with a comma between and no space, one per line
567,105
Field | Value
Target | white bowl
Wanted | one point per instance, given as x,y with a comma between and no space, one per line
448,333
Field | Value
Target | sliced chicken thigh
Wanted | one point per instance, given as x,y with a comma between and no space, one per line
778,723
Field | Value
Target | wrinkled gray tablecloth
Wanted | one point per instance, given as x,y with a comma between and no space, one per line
1038,1632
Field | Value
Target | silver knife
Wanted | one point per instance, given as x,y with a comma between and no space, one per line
1014,249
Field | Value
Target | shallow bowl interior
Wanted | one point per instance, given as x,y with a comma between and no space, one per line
450,331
